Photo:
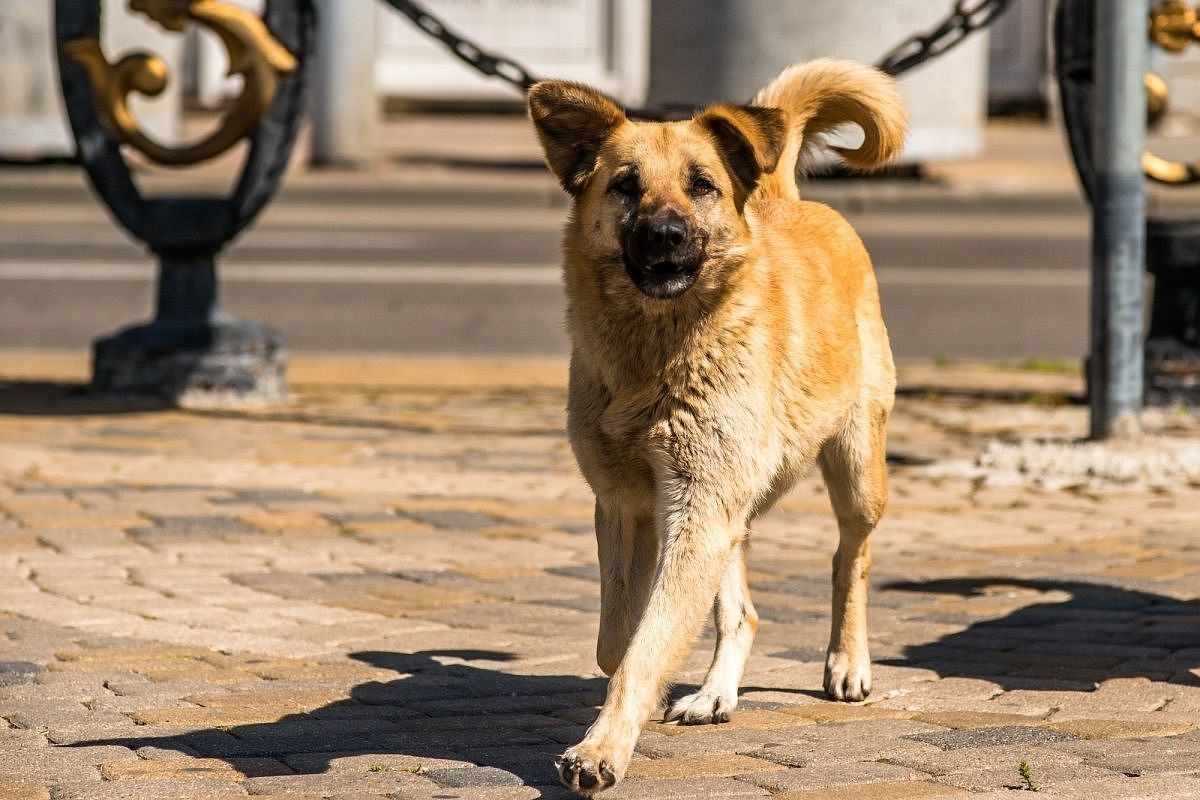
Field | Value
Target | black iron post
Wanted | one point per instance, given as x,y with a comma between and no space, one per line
190,351
1171,351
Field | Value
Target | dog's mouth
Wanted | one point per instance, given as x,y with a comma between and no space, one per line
663,280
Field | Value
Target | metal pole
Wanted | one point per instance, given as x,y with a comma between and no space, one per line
1118,219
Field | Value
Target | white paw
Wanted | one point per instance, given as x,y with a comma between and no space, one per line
702,708
585,770
847,677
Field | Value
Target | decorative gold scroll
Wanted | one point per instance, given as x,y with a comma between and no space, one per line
253,53
1173,25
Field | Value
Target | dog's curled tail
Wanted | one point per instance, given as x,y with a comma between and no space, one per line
819,96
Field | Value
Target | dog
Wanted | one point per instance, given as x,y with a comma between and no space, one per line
725,336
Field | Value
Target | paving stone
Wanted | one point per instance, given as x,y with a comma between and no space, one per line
191,769
465,777
887,790
721,766
978,719
1174,755
1046,775
23,790
205,789
356,762
284,700
382,782
1121,728
50,763
268,497
452,518
829,774
991,737
712,740
287,522
844,712
182,530
16,672
876,740
483,793
1125,788
691,789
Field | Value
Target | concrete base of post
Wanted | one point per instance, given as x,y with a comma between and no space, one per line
1172,374
200,364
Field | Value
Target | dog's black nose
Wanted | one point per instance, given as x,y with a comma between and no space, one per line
659,237
666,234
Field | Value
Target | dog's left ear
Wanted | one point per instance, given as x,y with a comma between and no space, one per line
572,121
749,138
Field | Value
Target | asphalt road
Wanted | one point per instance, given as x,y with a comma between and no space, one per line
337,272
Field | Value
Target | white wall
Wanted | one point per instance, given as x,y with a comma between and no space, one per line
32,120
600,42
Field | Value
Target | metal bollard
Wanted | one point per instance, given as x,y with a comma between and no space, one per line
1118,220
191,351
1171,349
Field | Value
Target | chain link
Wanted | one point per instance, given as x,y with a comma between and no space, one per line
967,17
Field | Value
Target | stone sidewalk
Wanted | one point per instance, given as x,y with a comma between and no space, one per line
387,588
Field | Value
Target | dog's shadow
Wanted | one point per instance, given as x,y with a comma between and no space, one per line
1096,633
457,711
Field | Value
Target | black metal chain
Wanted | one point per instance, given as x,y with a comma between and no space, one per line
486,62
967,17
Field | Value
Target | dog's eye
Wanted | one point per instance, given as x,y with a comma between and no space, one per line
702,186
626,187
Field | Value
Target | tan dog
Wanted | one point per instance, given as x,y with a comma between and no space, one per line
725,336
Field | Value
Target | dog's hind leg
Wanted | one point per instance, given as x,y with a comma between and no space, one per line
736,622
855,468
627,546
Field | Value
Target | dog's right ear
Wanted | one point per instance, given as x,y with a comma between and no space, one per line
572,121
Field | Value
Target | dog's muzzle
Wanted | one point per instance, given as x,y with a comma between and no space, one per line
663,255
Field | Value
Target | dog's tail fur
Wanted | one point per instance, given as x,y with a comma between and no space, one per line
819,96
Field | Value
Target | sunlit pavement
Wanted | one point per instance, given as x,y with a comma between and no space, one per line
387,588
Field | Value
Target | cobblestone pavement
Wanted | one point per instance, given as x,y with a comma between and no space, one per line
387,588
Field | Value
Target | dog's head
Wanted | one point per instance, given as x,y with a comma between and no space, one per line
657,204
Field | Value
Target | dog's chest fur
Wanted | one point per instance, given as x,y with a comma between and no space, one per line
694,401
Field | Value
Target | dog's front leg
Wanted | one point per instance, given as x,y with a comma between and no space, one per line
628,549
697,542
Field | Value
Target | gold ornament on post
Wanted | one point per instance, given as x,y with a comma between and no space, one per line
1173,25
253,53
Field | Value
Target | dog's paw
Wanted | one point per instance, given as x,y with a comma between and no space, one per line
847,677
584,770
702,708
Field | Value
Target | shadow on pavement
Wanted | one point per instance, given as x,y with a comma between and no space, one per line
472,711
1096,633
456,711
63,398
